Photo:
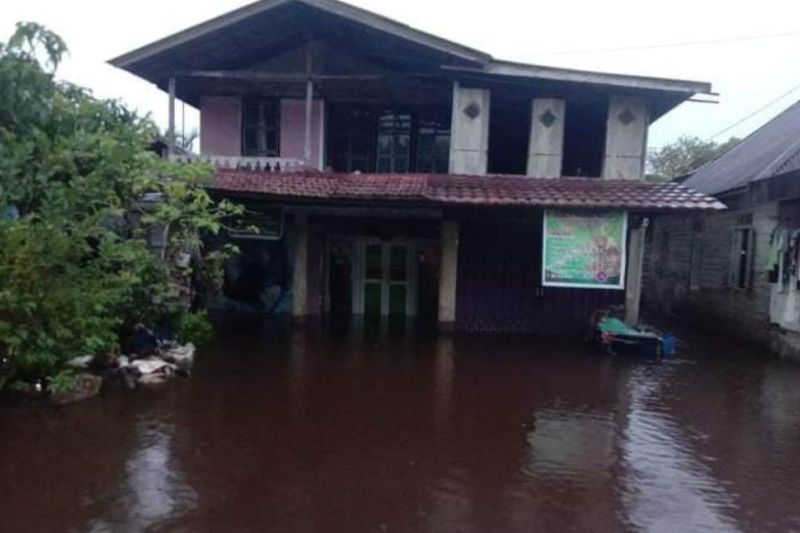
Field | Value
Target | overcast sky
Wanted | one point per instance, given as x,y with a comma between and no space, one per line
756,60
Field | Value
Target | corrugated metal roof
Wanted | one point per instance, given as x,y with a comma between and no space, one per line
445,189
769,151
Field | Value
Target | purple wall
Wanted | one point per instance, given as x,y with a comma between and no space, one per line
220,126
293,130
499,275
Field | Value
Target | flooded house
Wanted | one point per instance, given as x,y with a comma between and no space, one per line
398,176
737,270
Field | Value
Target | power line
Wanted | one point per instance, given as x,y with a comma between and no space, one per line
756,112
672,45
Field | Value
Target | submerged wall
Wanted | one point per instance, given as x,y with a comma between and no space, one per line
499,284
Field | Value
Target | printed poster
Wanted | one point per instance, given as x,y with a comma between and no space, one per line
584,250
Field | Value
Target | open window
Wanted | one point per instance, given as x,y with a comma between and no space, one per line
585,137
509,132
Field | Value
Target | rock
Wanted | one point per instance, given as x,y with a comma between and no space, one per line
80,362
153,370
86,386
182,357
150,365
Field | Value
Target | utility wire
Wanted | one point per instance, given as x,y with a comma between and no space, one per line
756,112
672,45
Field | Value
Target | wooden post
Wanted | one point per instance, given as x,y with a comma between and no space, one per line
633,282
309,103
300,271
309,108
448,275
171,117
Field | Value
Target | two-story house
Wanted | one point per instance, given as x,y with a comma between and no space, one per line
398,174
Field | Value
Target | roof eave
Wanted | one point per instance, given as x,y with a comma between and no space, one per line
378,22
522,70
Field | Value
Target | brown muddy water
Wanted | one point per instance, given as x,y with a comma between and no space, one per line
303,432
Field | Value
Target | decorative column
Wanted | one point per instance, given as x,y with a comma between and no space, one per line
626,138
633,279
300,270
469,131
448,275
546,146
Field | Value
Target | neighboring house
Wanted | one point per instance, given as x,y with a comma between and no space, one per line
737,270
398,174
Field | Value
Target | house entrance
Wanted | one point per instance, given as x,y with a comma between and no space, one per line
385,279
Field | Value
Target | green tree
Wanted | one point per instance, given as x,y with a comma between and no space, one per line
683,156
75,269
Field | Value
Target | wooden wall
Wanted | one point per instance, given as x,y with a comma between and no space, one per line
499,284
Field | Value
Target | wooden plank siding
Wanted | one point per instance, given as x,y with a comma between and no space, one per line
499,284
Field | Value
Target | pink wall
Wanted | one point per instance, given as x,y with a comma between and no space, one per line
293,130
220,126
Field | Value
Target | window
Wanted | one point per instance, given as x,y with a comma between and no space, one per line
352,139
433,144
260,128
585,138
394,142
742,258
389,141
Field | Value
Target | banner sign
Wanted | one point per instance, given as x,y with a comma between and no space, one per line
584,250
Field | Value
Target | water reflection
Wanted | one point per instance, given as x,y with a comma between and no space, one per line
155,492
573,445
298,431
667,487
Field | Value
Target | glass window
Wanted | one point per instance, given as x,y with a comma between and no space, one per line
352,136
394,142
373,258
433,143
260,128
397,263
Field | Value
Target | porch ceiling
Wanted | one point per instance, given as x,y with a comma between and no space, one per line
442,190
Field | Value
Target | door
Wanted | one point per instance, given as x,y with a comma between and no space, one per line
384,281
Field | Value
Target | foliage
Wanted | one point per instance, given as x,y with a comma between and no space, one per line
79,192
62,382
196,328
684,156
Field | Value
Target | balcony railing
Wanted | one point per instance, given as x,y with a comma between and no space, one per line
263,164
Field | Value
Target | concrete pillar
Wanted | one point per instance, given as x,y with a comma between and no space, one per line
626,138
469,131
546,146
300,270
448,275
633,279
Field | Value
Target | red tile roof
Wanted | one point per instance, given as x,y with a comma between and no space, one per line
445,189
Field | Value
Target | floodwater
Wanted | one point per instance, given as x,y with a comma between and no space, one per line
302,432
